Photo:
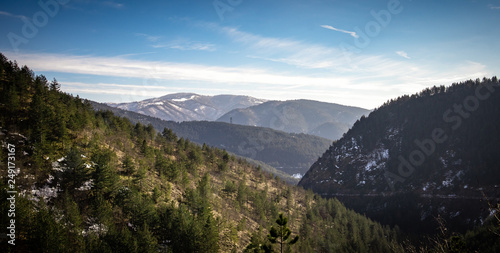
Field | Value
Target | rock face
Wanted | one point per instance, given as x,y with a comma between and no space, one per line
189,106
322,119
414,158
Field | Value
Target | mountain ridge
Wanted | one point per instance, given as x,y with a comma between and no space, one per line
327,120
398,158
188,106
257,143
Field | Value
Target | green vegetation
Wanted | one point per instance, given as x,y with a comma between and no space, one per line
289,153
94,182
281,234
90,181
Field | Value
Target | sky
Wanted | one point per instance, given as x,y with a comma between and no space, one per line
358,53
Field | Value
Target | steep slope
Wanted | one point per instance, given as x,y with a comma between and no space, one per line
414,158
189,106
290,154
326,120
90,181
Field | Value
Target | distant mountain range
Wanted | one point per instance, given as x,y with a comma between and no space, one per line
418,157
189,106
322,119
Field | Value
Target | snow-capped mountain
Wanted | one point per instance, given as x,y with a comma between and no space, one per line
189,106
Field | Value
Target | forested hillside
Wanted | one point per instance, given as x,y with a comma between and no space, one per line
289,153
89,181
419,157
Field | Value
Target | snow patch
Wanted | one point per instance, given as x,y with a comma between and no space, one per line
45,193
87,185
183,99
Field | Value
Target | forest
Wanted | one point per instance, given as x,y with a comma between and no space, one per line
89,181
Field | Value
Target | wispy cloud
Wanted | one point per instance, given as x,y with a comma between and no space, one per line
403,54
150,38
120,67
362,69
183,44
180,44
493,7
353,34
112,4
7,14
287,51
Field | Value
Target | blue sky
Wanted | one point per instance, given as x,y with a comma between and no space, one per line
359,53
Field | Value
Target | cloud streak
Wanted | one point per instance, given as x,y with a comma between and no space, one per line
120,67
148,37
493,7
403,54
353,34
187,45
7,14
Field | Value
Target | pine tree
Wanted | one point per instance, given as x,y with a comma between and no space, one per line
54,85
74,173
147,242
282,233
128,165
104,177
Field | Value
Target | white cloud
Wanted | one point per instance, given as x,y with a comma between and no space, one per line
7,14
372,81
120,67
493,7
290,52
180,44
353,34
150,38
403,54
187,45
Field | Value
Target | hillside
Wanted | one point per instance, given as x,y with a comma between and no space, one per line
322,119
89,181
189,106
289,153
419,157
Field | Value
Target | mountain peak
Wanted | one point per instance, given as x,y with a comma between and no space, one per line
189,106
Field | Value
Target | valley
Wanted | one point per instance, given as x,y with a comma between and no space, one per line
94,178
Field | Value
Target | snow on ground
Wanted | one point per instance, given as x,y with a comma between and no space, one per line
87,185
183,99
45,193
376,159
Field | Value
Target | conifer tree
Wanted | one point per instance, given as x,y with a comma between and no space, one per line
282,233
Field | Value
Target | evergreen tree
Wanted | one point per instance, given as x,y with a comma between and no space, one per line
54,85
128,165
74,172
147,242
281,234
104,176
